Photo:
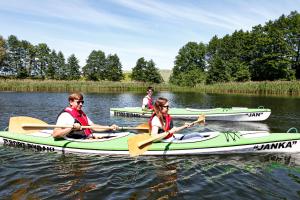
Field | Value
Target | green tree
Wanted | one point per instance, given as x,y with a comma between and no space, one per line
95,66
218,71
227,58
2,50
271,60
146,71
42,60
189,64
113,67
139,71
290,26
52,69
62,72
153,75
13,57
73,68
27,55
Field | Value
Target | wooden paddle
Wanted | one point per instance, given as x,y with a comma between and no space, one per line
23,124
138,144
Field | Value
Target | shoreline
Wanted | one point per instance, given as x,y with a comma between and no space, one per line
278,88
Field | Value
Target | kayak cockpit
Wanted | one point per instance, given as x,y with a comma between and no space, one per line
99,137
205,134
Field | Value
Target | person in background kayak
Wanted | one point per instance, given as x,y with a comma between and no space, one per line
73,115
147,100
161,122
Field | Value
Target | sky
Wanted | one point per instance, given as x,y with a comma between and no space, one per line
153,29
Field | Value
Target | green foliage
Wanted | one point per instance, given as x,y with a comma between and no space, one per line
95,66
73,68
42,59
61,72
145,71
98,67
189,65
2,50
113,68
218,71
153,75
138,72
52,66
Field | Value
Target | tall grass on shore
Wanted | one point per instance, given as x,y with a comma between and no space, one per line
82,86
261,88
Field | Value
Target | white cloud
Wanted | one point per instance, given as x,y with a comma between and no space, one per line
73,11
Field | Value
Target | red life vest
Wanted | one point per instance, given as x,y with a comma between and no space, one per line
150,104
168,126
81,117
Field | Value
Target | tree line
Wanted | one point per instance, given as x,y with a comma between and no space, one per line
21,59
267,52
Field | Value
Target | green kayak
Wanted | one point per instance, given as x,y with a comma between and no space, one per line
210,142
224,114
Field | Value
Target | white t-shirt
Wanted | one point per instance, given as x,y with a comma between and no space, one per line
156,122
67,119
145,102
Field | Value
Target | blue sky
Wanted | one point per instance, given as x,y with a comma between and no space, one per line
153,29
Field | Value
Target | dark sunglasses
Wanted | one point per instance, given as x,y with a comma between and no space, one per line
165,107
79,101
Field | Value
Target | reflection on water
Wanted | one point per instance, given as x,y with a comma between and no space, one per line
26,174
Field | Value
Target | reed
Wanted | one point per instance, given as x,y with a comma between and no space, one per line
260,88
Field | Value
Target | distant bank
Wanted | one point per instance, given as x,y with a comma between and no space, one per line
285,88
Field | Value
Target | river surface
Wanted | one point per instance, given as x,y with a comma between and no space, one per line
26,174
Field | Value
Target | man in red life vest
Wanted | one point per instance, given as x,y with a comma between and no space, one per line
147,101
73,115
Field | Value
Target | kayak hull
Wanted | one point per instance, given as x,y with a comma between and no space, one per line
211,143
215,114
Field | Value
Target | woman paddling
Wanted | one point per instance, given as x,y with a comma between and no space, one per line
161,122
73,115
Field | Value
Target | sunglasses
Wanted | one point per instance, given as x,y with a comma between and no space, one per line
167,107
79,101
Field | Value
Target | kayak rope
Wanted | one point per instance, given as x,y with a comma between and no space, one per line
261,107
231,134
292,129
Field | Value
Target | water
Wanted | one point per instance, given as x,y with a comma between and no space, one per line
26,174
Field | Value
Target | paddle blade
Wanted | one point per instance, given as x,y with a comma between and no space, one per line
133,147
15,124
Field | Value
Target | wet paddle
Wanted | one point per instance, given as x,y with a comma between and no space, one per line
23,124
138,144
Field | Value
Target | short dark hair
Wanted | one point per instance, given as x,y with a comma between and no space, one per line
150,88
